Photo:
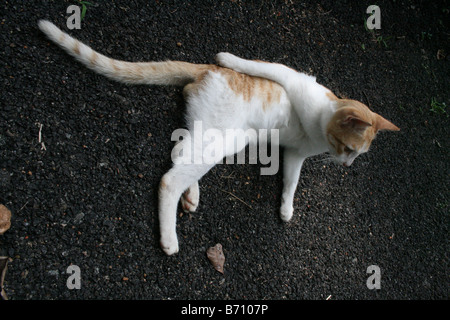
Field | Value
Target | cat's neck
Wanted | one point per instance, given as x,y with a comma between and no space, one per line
327,114
310,139
315,105
315,120
318,132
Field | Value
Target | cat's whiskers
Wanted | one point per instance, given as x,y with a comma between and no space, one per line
328,158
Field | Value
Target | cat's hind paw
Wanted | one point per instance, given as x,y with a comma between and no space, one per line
190,199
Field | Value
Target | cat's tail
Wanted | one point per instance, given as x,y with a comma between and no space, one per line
162,73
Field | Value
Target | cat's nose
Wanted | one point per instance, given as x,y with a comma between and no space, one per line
345,164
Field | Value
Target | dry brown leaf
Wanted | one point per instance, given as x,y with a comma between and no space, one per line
216,256
5,219
3,267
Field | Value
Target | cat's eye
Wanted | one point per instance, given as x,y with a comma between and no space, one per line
348,150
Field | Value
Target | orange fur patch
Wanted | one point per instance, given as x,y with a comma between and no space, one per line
331,96
76,48
249,87
93,58
114,65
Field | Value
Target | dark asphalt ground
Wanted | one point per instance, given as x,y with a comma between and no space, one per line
90,198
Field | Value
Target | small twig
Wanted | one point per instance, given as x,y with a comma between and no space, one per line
40,132
237,198
367,99
40,137
23,206
226,21
228,177
322,14
310,58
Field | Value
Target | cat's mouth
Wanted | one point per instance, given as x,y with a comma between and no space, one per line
331,157
346,163
336,159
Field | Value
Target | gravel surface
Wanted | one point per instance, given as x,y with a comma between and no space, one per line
86,194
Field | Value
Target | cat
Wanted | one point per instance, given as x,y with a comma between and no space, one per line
310,119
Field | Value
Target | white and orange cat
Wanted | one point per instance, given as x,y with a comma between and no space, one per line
255,95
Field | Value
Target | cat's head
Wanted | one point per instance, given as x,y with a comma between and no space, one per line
352,129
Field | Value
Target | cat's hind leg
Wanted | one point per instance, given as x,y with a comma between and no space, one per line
183,177
190,198
172,185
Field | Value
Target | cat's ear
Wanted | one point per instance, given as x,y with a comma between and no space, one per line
354,119
383,124
356,122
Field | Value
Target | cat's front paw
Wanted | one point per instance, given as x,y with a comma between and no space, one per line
169,244
226,59
286,212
